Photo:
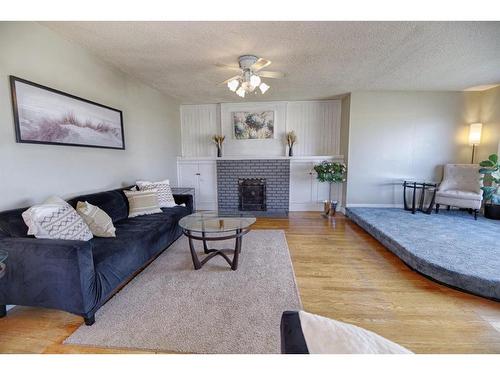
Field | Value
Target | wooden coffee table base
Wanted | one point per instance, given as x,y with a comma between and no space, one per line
197,263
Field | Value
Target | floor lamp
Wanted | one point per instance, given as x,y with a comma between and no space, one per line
475,137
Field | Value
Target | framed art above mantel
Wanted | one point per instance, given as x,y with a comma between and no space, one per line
253,128
48,116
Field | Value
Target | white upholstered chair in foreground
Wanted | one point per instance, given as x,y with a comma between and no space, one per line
461,187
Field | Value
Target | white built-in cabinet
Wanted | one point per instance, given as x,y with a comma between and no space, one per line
306,192
202,176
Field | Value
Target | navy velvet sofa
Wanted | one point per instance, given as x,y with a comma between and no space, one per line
80,276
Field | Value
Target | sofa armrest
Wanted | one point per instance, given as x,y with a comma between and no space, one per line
292,337
48,273
187,199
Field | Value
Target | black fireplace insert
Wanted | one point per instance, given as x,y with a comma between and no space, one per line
252,194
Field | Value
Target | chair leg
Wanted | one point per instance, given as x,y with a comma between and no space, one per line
448,208
437,208
475,214
3,311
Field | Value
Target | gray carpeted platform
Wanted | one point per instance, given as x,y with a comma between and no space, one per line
449,247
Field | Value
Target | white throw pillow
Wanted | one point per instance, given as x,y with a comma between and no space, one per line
142,202
98,221
56,219
328,336
165,196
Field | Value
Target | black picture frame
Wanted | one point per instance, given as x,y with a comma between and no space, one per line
17,123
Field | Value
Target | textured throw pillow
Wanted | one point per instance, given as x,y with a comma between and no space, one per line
98,221
142,202
56,219
165,196
328,336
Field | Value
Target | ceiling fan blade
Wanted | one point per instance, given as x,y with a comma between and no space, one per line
260,64
231,67
268,74
229,79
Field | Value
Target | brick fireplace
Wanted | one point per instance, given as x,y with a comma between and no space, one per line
268,186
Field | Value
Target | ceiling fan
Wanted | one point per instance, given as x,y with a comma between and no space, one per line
251,74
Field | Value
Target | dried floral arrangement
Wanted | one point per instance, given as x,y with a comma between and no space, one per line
291,138
218,139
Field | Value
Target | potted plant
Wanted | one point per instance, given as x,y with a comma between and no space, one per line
491,182
218,140
330,172
291,139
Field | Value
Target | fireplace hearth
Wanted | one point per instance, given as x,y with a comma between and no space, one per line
252,194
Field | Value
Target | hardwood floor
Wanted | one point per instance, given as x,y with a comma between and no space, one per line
342,273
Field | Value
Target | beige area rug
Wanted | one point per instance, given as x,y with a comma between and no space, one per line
171,307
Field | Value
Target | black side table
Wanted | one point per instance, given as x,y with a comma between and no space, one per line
425,187
183,191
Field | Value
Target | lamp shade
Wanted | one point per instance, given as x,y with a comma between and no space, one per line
475,133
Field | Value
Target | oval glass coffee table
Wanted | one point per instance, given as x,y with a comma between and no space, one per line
209,226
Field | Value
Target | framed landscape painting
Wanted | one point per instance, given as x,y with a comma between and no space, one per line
48,116
253,125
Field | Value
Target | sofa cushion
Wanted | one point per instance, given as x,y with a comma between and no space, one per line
112,202
165,197
98,221
12,223
142,202
137,240
56,219
460,194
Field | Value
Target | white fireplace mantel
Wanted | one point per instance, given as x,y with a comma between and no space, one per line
259,157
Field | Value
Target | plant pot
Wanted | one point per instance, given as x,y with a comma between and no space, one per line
492,211
333,208
326,208
219,151
329,208
290,151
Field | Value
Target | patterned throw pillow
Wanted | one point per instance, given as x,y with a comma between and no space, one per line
165,196
98,221
56,219
142,202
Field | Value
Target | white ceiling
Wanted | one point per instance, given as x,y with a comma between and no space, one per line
320,59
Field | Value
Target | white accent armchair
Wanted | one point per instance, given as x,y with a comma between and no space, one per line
461,187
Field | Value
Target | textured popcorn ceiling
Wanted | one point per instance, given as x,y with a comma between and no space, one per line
320,59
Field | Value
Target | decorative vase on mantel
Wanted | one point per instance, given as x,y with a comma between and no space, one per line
291,139
218,140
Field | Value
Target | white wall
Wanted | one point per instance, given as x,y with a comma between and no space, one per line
490,117
29,172
316,123
404,135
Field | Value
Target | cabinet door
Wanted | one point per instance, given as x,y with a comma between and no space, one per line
300,185
207,196
188,175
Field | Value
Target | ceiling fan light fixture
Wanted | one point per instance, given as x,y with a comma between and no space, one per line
233,85
250,77
241,91
255,80
263,87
